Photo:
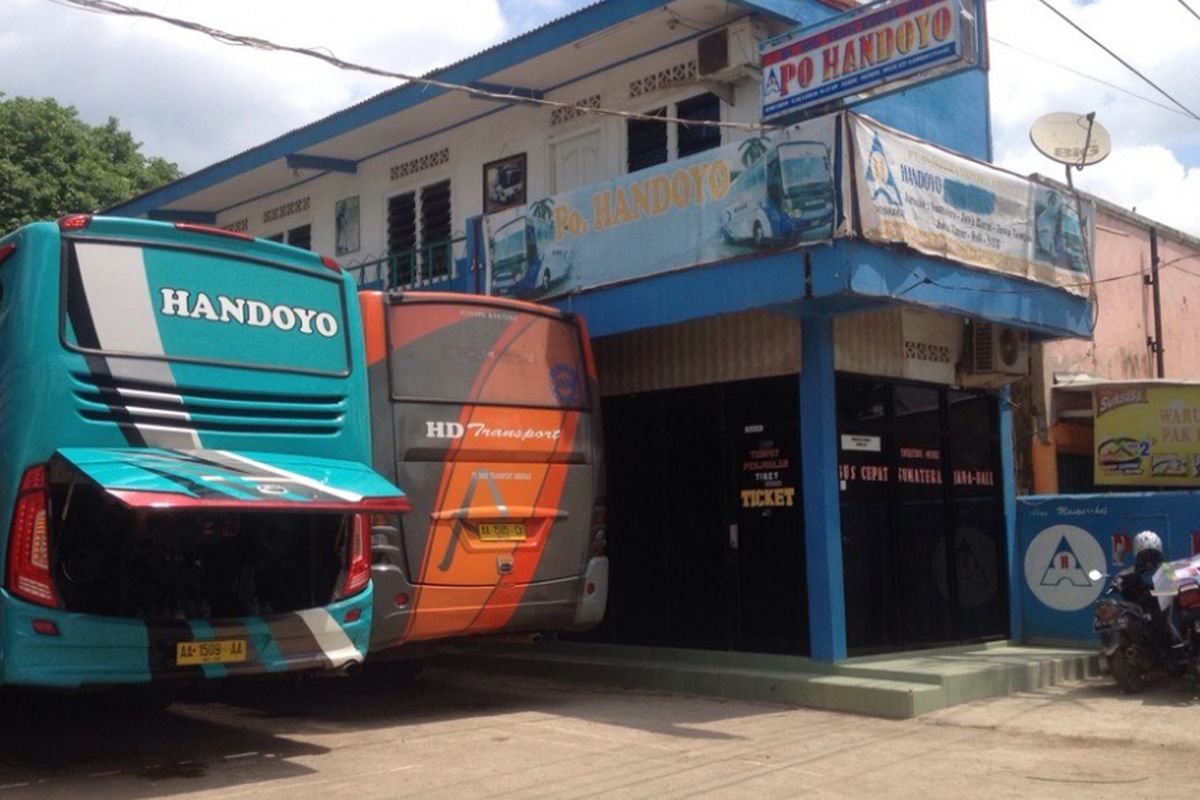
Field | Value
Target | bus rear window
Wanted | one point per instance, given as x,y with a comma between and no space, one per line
203,306
459,353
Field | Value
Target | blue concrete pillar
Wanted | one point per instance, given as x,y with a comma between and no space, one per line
1008,494
822,510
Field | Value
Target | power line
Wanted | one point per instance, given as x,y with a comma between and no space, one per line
1123,62
1190,9
225,37
1093,78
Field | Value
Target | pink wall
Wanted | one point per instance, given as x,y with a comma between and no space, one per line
1126,310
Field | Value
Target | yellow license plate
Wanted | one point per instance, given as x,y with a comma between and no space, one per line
224,651
502,532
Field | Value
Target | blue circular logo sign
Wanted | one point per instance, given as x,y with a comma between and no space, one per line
565,383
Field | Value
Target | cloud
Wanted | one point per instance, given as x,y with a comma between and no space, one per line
195,101
1155,153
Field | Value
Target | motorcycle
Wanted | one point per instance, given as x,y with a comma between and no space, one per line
1133,644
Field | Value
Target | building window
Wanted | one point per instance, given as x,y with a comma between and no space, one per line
698,138
420,237
651,142
435,229
647,142
300,236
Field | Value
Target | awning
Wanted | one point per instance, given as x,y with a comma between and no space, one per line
152,478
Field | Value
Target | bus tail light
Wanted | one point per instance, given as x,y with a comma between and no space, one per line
599,525
6,250
358,569
331,264
213,230
29,542
74,222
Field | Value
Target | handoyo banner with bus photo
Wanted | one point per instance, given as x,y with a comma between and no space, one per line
770,192
1147,435
945,204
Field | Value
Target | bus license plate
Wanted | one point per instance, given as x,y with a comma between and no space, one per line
224,651
502,532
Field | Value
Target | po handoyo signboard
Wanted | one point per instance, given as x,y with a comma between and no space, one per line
883,43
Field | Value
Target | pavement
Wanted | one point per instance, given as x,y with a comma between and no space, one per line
897,686
465,733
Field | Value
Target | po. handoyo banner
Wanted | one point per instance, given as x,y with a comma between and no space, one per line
770,192
1147,435
944,204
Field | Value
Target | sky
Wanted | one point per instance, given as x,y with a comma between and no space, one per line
195,101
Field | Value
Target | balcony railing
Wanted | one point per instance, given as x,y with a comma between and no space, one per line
434,264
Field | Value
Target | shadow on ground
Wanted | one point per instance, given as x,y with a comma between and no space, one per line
72,743
222,734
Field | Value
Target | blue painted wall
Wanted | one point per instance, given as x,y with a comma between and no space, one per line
953,111
1062,537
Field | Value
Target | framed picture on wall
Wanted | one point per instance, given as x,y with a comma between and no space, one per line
504,183
346,219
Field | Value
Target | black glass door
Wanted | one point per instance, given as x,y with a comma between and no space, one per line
922,515
766,539
705,528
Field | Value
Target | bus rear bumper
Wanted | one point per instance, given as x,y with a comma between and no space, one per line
67,650
430,612
595,595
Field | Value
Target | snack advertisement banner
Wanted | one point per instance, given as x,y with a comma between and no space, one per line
944,204
1147,435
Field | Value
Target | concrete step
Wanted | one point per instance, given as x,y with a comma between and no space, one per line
898,686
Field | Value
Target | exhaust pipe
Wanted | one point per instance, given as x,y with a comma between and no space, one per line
349,669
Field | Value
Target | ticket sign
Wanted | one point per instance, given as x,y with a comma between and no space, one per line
883,43
1147,435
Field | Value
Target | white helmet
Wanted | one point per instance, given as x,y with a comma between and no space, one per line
1146,540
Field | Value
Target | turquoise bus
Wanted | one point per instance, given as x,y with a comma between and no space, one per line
183,489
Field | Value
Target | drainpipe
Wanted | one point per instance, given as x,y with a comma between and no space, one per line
1155,343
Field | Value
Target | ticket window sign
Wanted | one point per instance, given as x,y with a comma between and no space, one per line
1147,436
880,47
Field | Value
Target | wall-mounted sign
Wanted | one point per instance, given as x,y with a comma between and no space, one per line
766,193
1147,435
888,42
865,444
944,204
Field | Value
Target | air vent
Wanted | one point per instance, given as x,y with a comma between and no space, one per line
712,53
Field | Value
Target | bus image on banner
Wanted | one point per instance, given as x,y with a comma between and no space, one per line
486,411
785,197
526,262
184,485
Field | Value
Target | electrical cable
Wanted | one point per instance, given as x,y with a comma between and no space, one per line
112,7
225,37
1189,8
1093,78
1123,62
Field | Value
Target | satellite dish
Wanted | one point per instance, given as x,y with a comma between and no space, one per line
1076,140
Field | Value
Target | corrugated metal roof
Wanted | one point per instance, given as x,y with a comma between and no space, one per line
435,73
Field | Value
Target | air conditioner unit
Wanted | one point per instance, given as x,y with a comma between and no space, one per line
996,354
730,54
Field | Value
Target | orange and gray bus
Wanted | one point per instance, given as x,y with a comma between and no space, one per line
486,411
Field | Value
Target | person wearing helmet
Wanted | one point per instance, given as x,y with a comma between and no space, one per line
1147,551
1137,582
